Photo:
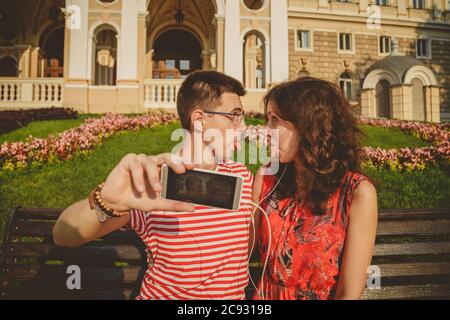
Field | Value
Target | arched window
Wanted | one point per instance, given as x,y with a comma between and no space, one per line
254,60
52,44
346,84
254,4
105,56
8,67
177,54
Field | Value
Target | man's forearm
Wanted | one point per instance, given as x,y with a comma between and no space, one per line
79,224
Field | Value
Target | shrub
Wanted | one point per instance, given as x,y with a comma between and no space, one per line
15,119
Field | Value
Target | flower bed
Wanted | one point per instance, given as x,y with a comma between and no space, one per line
93,132
403,159
410,158
15,119
35,152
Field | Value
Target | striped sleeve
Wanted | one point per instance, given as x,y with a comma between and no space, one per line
138,222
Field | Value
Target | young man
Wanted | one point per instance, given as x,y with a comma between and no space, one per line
196,252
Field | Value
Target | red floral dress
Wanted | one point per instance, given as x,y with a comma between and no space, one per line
306,250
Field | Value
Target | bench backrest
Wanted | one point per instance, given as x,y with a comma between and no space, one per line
412,254
34,268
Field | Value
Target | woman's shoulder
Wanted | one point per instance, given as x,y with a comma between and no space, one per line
357,180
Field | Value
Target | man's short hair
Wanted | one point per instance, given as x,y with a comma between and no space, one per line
203,90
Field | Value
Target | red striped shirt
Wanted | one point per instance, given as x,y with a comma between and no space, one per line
200,255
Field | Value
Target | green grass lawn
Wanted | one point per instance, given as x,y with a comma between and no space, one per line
390,138
60,185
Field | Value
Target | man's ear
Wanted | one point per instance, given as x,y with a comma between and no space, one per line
197,118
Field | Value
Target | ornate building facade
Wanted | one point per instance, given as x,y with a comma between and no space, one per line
390,57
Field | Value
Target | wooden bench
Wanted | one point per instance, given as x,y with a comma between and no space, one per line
412,252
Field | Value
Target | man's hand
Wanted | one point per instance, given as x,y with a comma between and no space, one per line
135,184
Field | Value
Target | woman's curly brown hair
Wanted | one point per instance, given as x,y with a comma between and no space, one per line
329,139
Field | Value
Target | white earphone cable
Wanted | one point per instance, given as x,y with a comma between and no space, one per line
258,206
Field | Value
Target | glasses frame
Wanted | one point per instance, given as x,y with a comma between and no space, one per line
235,119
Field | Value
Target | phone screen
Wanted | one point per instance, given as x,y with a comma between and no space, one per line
201,188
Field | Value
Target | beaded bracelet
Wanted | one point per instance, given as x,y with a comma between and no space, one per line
96,202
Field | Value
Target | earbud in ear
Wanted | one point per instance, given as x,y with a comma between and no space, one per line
198,125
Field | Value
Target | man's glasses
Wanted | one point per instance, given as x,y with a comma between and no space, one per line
237,117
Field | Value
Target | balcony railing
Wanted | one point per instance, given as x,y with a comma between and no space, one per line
43,92
161,93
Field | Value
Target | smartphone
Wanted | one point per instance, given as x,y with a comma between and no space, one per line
202,187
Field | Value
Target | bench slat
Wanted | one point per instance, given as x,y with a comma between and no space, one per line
52,252
29,272
27,228
414,269
408,292
38,294
421,227
411,248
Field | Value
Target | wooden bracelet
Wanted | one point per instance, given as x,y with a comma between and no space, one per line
96,202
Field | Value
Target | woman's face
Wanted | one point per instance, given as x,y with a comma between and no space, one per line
288,144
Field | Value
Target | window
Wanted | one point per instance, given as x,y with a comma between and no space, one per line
185,65
105,58
346,84
385,44
419,4
423,48
345,42
254,60
382,2
254,4
303,39
170,64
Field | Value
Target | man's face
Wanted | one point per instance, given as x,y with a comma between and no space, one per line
230,103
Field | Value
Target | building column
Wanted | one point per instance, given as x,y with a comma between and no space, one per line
131,49
149,64
36,63
432,104
128,44
76,64
368,103
233,64
23,63
401,102
142,61
279,35
206,60
220,41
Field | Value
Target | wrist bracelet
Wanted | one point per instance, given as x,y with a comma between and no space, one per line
105,212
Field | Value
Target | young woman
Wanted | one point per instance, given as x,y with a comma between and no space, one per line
322,211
